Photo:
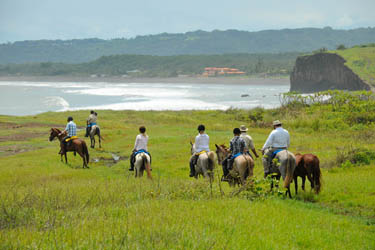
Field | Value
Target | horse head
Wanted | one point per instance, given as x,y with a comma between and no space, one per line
54,132
192,148
222,152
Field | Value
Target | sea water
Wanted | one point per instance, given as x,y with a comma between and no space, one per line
29,98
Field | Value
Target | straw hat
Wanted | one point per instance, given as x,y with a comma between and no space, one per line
243,128
277,122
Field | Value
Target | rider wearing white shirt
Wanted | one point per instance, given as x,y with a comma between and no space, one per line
140,145
202,141
278,139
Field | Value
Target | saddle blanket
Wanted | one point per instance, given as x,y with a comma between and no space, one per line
141,151
235,156
202,152
71,138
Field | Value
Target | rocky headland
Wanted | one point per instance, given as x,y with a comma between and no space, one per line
324,71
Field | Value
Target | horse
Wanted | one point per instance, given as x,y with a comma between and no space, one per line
205,164
95,130
77,145
142,162
243,166
308,165
284,166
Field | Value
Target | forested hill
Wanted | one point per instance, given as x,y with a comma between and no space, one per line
157,66
190,43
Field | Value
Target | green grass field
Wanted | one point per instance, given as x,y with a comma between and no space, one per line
46,204
361,60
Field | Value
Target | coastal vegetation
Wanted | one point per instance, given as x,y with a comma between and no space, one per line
47,204
158,66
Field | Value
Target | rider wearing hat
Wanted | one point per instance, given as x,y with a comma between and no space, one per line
249,141
202,141
278,140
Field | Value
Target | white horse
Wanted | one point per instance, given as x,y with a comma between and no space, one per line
205,165
284,167
142,162
95,130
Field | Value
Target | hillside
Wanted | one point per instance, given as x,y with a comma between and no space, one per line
47,204
190,43
157,66
360,59
344,69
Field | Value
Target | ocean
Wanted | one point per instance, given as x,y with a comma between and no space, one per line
30,98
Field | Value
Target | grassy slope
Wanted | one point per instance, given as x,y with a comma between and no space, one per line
47,204
361,61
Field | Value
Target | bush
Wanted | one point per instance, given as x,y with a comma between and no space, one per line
350,156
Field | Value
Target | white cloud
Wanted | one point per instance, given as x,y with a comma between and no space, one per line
344,21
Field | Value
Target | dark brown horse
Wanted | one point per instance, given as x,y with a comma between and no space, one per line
77,145
308,165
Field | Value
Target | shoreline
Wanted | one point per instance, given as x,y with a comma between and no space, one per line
192,80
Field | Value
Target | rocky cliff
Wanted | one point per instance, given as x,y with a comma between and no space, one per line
324,71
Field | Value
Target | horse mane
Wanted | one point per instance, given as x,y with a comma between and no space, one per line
56,130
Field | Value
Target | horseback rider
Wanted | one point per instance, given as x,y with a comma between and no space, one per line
249,141
140,146
237,148
202,141
71,129
277,141
91,121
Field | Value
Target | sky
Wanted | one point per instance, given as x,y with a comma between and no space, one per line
76,19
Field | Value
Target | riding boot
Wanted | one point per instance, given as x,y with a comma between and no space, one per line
132,160
192,167
87,131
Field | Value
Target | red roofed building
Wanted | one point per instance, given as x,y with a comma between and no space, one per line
213,71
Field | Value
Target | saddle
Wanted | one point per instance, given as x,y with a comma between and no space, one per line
71,138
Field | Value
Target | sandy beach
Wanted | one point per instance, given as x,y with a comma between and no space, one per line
205,80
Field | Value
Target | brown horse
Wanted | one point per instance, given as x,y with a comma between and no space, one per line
243,166
77,145
308,165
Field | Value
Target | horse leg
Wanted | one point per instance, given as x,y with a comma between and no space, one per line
303,182
66,158
92,141
100,142
295,183
288,192
83,158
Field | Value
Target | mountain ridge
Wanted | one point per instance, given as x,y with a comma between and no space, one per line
190,43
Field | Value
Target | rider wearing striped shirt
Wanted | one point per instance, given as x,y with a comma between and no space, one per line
237,147
71,129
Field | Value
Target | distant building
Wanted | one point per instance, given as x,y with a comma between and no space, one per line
213,71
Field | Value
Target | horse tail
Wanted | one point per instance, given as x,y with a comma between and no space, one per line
146,166
317,176
289,171
98,133
85,152
211,160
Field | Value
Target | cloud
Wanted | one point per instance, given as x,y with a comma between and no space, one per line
344,21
